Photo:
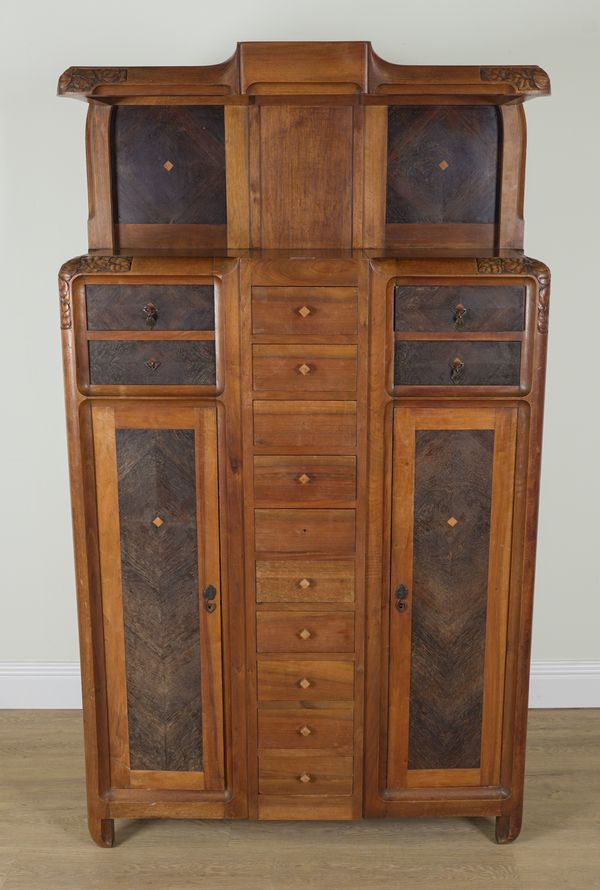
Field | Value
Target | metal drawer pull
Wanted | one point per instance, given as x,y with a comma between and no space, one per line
209,593
401,593
304,778
151,313
456,370
153,364
458,316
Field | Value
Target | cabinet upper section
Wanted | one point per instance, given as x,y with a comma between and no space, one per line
305,145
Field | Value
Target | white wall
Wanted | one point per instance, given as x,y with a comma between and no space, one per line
44,222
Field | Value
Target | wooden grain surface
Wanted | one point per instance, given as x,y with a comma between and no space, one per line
47,847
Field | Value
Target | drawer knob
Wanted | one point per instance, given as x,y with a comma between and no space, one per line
305,634
304,778
305,731
153,364
458,316
304,311
304,683
151,313
457,367
304,479
304,583
304,369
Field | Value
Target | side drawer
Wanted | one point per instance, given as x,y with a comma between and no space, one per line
156,362
306,728
313,427
160,307
305,581
304,311
459,308
299,772
300,480
304,531
305,632
304,369
457,362
305,680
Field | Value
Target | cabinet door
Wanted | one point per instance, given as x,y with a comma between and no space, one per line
452,506
158,518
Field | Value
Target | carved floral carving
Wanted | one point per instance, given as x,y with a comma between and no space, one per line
523,265
82,80
79,266
523,79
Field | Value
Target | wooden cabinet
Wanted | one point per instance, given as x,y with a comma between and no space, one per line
304,369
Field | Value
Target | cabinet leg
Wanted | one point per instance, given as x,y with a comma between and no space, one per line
508,827
102,831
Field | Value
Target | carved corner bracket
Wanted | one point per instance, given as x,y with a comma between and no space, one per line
523,265
78,266
524,80
83,80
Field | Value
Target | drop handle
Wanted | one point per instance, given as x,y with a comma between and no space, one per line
153,364
401,593
151,313
458,316
209,593
457,367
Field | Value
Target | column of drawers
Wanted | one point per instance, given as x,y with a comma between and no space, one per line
305,491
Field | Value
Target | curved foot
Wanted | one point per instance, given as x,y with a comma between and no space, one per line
508,827
102,831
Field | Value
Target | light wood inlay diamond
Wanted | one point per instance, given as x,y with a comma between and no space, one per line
443,165
157,521
304,311
305,777
304,583
304,683
168,166
305,634
452,522
305,731
304,369
303,479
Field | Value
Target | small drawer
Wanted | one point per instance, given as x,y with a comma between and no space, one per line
305,581
305,680
155,363
299,772
305,632
457,362
304,311
459,308
316,427
302,480
304,531
142,307
306,728
304,369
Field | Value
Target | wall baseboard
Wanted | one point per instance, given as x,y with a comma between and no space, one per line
56,684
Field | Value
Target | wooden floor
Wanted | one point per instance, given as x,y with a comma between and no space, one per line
44,841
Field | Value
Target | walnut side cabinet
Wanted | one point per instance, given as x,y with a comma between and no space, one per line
304,367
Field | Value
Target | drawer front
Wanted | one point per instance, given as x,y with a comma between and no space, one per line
306,728
304,531
142,307
301,480
305,632
304,311
133,362
459,308
304,369
457,362
317,427
305,581
305,680
298,772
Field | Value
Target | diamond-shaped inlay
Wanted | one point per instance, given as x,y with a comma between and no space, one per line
443,165
452,522
157,521
304,369
303,479
168,166
304,583
304,311
305,731
304,683
305,634
304,778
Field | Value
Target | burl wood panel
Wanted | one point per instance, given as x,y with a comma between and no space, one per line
434,308
453,481
430,363
169,164
159,568
442,164
306,176
133,362
179,307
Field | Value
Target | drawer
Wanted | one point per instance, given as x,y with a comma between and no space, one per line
133,362
304,531
304,368
478,363
459,308
142,307
306,728
305,680
316,427
304,311
299,772
305,632
305,581
301,480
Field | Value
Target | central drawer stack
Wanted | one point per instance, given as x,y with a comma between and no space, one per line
304,382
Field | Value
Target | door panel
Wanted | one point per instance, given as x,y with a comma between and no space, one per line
453,487
158,476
